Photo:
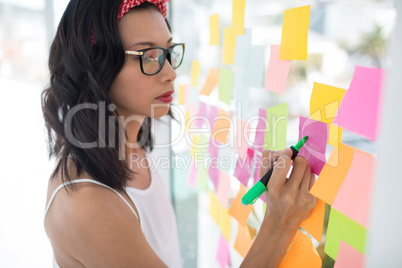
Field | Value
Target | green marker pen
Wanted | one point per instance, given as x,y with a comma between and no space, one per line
259,188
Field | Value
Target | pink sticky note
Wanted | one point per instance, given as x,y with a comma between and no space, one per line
353,198
222,254
242,137
243,169
348,257
360,107
314,149
201,114
213,170
192,177
260,130
213,114
277,72
223,188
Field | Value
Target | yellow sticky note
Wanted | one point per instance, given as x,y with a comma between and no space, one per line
214,30
211,82
229,44
187,117
314,224
224,222
335,135
222,126
193,147
253,232
239,211
195,70
301,253
181,94
214,207
325,101
238,14
243,240
294,34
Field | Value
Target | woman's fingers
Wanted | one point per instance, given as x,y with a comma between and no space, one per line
281,168
312,180
305,183
299,168
268,159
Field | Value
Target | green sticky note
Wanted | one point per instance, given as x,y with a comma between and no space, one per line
202,179
225,85
340,227
276,127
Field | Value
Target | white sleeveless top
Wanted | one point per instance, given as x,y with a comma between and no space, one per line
157,218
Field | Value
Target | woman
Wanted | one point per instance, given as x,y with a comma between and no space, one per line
112,66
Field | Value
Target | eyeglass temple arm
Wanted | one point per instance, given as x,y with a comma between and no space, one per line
136,53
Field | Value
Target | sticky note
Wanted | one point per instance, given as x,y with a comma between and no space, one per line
277,71
193,175
360,107
202,178
354,195
211,82
181,94
252,231
213,169
243,170
340,227
314,148
214,30
243,240
223,188
243,43
223,253
295,33
212,116
301,253
194,142
195,71
254,68
224,222
237,210
201,116
325,101
241,95
186,119
277,121
260,130
334,135
222,127
242,137
214,207
238,14
314,224
225,85
333,174
348,257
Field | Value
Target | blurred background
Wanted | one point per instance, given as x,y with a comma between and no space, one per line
342,34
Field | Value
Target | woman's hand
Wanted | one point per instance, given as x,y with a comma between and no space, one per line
288,200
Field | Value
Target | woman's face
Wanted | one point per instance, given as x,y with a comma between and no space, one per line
133,92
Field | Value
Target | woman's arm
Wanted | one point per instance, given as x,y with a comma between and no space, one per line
288,204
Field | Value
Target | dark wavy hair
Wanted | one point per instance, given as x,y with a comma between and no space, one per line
82,74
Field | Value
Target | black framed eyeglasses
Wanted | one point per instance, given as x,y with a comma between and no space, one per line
152,59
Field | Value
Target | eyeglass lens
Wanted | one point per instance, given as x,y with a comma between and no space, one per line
153,59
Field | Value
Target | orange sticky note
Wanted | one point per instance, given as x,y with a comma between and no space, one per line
211,82
294,34
301,253
253,232
313,224
243,240
333,174
222,127
237,210
214,30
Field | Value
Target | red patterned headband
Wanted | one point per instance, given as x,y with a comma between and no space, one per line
126,5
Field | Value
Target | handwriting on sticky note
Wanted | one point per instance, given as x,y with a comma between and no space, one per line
294,34
314,148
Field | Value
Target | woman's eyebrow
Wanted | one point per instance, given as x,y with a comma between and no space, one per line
148,43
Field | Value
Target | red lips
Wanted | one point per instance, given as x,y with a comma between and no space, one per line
166,97
166,94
